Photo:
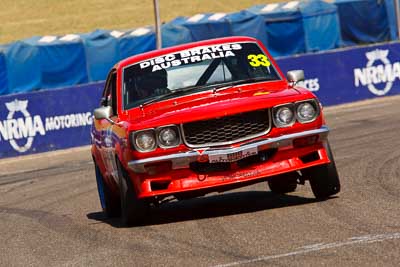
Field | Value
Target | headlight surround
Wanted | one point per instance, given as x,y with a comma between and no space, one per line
284,116
307,111
145,141
149,139
168,136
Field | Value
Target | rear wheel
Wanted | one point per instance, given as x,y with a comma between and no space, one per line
324,179
283,183
109,203
133,209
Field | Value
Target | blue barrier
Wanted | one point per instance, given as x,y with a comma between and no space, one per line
23,73
350,74
103,48
299,27
214,25
100,49
172,34
245,23
204,26
62,60
135,42
47,120
56,119
3,72
366,21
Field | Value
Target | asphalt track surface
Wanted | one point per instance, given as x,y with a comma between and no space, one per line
50,213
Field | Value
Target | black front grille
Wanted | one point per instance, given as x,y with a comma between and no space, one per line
227,129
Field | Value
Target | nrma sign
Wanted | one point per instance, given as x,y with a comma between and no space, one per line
26,127
379,73
20,128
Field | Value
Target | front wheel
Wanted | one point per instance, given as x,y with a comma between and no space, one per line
109,202
133,209
283,183
324,179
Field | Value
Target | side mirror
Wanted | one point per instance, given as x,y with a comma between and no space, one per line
295,76
103,113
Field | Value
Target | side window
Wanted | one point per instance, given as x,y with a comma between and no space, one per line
113,88
109,97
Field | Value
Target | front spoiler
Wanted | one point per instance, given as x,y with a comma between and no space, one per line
182,160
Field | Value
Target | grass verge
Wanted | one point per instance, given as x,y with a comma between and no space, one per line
21,19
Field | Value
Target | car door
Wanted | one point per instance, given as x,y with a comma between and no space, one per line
107,141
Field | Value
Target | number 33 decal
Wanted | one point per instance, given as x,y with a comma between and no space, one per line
258,60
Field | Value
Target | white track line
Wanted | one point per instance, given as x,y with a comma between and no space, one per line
367,239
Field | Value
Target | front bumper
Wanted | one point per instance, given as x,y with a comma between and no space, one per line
183,160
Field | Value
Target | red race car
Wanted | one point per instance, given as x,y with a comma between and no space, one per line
205,117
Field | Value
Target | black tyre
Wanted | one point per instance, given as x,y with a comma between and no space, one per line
283,183
109,202
133,210
324,179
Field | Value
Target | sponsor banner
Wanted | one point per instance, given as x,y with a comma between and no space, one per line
47,120
351,74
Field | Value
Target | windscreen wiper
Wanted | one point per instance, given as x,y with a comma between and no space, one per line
237,82
172,93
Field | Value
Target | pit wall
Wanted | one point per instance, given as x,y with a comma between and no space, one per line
57,119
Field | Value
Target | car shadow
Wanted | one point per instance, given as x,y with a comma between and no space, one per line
212,206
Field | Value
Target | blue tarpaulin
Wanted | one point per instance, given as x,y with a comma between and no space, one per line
101,50
135,42
298,27
392,20
23,67
205,26
366,21
3,72
245,23
105,48
172,34
215,25
62,60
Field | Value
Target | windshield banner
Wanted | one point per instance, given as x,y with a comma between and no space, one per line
191,56
47,120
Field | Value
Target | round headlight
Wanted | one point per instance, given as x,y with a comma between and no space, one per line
283,116
168,136
145,141
306,112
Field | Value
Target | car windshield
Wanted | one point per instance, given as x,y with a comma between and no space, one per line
194,70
